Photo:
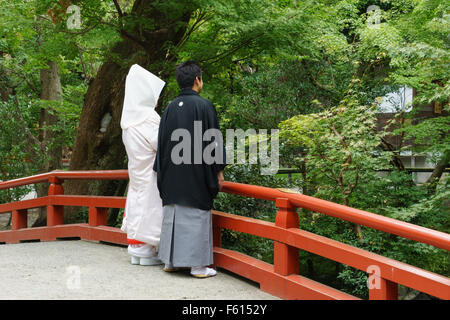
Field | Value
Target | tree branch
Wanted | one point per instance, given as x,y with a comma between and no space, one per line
197,24
123,33
227,53
396,161
119,11
82,62
348,161
82,32
352,187
433,180
24,77
321,156
315,82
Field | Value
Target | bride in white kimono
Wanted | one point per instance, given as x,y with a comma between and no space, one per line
140,123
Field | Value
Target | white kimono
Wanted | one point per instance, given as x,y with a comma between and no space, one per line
140,123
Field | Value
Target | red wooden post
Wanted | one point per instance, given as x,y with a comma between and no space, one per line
55,214
98,216
384,290
19,219
285,256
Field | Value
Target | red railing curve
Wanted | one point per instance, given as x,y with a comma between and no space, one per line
280,278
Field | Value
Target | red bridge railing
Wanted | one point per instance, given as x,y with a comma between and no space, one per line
280,278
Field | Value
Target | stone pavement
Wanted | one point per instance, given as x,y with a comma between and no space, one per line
84,270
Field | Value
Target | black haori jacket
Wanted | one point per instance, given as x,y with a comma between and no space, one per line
184,177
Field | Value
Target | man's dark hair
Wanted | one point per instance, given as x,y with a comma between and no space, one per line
187,72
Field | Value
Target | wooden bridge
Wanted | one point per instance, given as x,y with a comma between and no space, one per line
281,278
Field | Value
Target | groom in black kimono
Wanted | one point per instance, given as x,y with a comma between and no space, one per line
188,180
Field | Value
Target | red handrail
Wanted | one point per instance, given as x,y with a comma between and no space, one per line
65,175
25,181
389,225
281,278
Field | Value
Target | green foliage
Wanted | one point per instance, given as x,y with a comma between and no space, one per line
14,156
277,92
354,282
339,144
430,136
415,46
431,212
389,190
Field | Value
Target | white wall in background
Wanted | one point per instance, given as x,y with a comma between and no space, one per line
400,100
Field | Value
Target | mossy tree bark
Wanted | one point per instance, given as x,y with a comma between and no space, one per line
50,137
104,150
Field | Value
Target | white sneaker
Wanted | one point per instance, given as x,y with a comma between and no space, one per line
144,255
135,260
151,261
203,272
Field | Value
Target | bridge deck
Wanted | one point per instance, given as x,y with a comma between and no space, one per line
50,270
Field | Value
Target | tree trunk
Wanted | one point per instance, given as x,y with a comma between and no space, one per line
396,161
51,139
356,227
358,232
437,173
96,150
304,178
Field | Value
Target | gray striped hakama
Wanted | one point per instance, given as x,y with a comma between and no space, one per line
186,237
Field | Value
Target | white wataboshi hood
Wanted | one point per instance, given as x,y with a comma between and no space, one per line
142,90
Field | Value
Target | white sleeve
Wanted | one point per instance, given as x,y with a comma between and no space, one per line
153,138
